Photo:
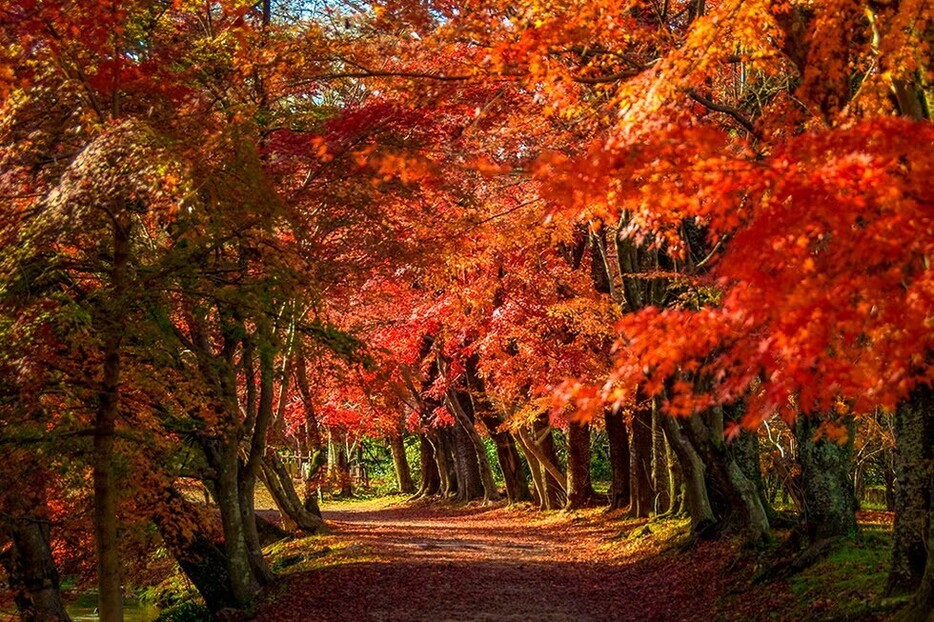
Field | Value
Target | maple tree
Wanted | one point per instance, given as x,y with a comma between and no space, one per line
814,326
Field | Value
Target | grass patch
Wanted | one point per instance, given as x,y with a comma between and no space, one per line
849,582
362,502
312,553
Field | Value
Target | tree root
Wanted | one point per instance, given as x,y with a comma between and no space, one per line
791,564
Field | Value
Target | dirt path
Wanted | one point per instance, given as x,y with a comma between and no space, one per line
419,564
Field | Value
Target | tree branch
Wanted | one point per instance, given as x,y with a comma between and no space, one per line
736,113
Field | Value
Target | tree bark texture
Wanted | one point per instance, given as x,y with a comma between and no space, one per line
661,476
401,465
696,501
461,405
430,483
280,485
550,482
618,438
746,451
110,592
642,494
829,500
31,572
444,456
914,461
922,604
517,486
580,490
466,466
535,468
733,497
225,463
554,479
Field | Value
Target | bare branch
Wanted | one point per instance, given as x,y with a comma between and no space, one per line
736,113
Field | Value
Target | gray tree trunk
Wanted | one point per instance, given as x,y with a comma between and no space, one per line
914,455
696,501
430,475
401,465
517,486
829,500
642,494
280,485
733,496
618,438
31,572
661,475
243,583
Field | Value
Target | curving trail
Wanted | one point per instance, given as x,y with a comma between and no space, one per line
421,564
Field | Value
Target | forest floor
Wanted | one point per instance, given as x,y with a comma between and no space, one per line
417,562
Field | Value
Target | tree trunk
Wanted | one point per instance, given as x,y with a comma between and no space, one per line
536,470
661,478
311,439
309,474
555,481
734,498
580,489
517,487
745,449
829,502
641,463
31,571
195,550
444,457
110,592
914,439
225,462
279,483
696,501
675,479
467,466
889,475
618,437
246,495
430,477
339,462
922,604
461,405
401,465
252,466
550,482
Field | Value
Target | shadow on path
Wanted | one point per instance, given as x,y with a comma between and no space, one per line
489,564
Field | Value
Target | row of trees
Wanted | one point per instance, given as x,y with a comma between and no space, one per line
167,246
228,225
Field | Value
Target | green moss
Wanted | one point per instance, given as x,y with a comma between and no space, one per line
172,591
188,611
850,581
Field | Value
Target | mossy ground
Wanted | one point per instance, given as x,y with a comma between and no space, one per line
849,583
